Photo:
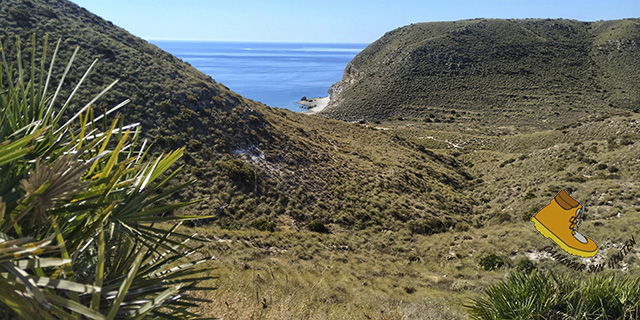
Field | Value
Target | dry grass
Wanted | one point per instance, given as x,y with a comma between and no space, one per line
262,277
382,274
303,275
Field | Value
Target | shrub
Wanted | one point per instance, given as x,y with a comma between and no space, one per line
503,217
526,266
79,207
506,162
317,226
576,178
242,173
526,215
491,262
462,227
409,290
263,225
537,295
426,226
626,140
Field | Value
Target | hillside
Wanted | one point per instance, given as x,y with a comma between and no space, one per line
404,275
475,125
535,74
252,162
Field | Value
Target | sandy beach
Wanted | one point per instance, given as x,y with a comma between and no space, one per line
314,105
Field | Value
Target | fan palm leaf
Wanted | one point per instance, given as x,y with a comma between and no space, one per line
80,204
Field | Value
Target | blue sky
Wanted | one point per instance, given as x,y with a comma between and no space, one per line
354,21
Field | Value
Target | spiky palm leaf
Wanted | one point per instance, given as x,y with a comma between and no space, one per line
79,207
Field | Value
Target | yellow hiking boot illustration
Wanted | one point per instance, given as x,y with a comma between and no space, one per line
560,221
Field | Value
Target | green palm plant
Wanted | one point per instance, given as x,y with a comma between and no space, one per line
85,228
539,295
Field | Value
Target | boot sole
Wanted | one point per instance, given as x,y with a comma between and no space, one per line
548,234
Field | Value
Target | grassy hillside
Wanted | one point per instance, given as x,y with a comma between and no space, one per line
255,165
529,73
402,275
519,155
475,125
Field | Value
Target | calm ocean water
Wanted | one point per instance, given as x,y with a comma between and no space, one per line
276,74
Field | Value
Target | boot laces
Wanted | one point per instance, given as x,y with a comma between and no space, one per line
576,221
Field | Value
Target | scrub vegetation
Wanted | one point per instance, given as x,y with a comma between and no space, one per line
250,161
531,74
545,295
419,208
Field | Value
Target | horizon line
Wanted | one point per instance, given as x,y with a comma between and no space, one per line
249,41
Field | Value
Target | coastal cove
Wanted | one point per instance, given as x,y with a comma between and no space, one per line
222,183
276,74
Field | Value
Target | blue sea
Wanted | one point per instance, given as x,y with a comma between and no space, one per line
276,74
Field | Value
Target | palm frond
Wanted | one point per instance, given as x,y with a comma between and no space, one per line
78,205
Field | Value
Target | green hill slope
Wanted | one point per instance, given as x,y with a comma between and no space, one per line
478,136
518,72
251,161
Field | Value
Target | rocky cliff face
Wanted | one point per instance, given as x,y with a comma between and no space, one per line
349,77
479,64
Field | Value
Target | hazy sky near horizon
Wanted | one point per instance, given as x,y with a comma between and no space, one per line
353,21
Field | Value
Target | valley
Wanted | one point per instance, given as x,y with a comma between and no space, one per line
406,197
